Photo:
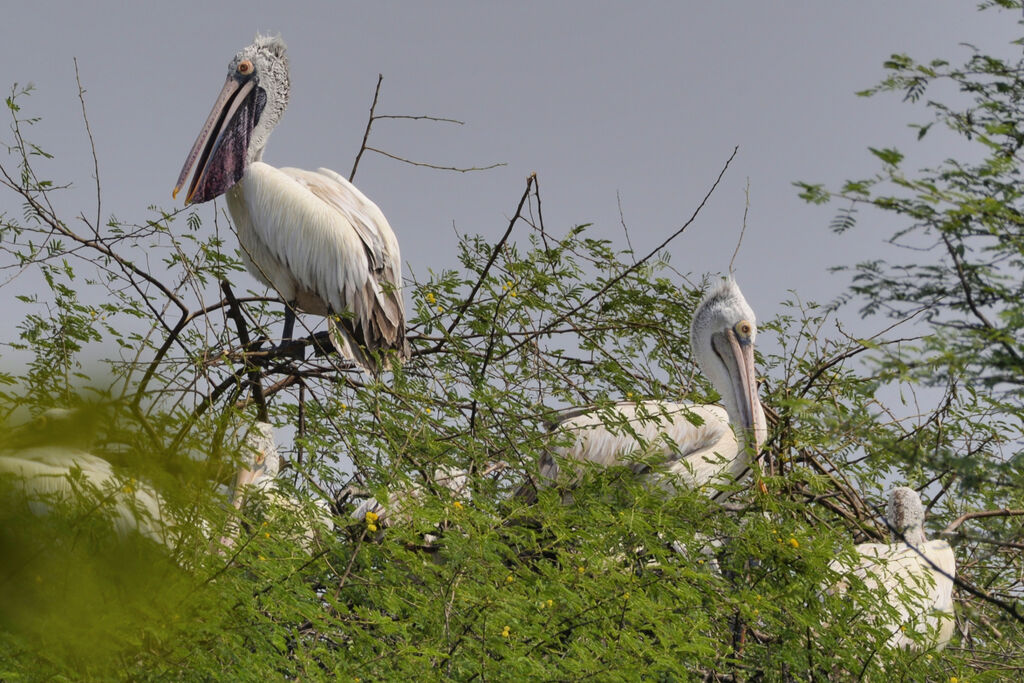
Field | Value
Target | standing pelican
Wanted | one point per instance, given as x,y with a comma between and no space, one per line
673,444
311,235
915,574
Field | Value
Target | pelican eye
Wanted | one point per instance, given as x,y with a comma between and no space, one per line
743,329
245,67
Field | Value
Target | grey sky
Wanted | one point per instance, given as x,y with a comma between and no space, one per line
596,97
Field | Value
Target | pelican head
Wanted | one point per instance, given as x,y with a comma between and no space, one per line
261,461
250,104
722,337
906,516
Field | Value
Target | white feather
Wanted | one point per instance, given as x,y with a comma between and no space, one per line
669,445
51,473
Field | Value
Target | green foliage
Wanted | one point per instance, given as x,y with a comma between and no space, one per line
612,582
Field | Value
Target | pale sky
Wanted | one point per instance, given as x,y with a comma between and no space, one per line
643,100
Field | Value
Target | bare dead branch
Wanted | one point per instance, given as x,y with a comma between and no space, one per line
369,125
92,147
980,514
424,164
235,313
439,119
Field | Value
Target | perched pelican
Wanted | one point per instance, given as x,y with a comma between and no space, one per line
311,235
681,444
257,479
916,575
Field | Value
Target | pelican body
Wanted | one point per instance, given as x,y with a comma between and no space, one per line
311,235
257,482
915,573
681,444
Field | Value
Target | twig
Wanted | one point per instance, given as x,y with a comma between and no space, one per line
457,169
439,119
622,222
743,230
369,124
92,146
1004,512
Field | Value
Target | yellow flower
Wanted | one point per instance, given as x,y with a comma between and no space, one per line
371,517
513,294
509,578
430,298
266,534
954,679
262,558
457,505
581,569
505,632
550,603
793,542
625,596
629,394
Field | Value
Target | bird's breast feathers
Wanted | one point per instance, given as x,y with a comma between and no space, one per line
316,229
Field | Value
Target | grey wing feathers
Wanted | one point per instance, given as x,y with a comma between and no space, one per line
379,313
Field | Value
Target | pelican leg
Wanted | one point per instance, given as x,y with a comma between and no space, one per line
297,351
289,322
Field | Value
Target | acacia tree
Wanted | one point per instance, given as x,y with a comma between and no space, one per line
619,583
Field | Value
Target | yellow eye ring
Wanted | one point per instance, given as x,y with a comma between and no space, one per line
743,329
245,67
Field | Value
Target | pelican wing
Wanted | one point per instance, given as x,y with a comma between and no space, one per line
921,596
317,237
378,240
671,444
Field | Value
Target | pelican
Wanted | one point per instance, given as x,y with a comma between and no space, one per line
310,235
915,574
257,480
681,444
65,474
398,503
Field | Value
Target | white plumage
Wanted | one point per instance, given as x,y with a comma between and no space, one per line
311,235
70,476
395,508
256,484
681,444
915,575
